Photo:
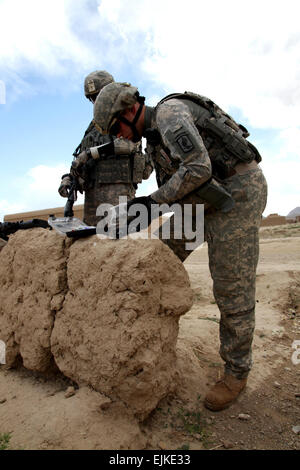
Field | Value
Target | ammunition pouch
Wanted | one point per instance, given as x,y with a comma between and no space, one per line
126,169
115,169
139,163
232,142
215,195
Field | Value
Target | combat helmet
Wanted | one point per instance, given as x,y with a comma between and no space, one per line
111,101
94,82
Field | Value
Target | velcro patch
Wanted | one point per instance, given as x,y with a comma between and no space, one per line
185,143
91,86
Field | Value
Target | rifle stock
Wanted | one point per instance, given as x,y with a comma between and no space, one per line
8,228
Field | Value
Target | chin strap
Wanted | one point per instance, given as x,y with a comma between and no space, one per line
132,124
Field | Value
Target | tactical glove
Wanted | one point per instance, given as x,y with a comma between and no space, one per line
65,185
146,201
124,147
80,161
144,213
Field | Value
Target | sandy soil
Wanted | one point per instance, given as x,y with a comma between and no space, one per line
36,411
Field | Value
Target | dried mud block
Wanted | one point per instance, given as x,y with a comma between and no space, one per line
2,243
32,281
118,327
107,311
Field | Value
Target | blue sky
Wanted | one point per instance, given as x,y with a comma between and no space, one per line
247,60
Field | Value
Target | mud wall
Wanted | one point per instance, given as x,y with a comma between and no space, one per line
105,312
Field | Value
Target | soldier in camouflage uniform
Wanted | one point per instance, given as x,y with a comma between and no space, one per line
192,140
107,179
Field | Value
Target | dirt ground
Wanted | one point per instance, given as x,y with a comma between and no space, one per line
35,412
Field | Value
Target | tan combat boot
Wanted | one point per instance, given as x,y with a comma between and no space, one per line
224,392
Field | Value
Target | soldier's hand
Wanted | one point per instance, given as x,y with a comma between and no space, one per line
124,146
141,208
65,185
148,214
79,162
119,221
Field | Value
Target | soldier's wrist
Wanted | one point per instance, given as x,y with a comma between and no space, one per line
154,198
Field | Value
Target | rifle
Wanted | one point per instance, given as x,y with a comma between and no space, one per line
75,185
68,224
72,197
8,228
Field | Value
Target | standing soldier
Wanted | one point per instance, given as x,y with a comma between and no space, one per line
109,178
201,155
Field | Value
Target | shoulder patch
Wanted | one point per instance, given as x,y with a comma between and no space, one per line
91,86
185,143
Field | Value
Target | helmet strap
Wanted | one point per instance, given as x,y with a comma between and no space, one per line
132,124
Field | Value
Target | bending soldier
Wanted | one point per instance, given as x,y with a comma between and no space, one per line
106,179
196,147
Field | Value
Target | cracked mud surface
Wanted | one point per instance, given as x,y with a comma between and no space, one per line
34,409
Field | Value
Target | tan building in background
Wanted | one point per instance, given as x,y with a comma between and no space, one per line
44,214
273,219
293,220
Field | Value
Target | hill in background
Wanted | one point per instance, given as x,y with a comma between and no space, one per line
294,213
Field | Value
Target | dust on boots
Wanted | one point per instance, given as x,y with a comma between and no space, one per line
224,392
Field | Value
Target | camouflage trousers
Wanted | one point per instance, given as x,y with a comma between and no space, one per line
104,193
233,249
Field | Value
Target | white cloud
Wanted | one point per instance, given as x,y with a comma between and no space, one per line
42,187
244,59
247,59
283,181
38,189
45,179
282,170
291,142
7,207
43,38
40,33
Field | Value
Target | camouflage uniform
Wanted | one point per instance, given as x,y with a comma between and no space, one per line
106,179
184,160
109,179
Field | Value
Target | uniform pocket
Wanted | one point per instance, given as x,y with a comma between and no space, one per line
233,258
233,265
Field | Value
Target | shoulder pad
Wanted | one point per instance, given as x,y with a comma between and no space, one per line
198,99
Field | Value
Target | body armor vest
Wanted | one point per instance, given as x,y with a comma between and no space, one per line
112,169
224,139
